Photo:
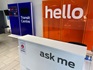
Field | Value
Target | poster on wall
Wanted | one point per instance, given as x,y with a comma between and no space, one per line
68,21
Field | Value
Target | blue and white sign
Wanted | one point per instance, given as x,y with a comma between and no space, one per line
46,54
21,18
26,18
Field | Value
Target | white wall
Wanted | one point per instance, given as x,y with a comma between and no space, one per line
37,6
1,4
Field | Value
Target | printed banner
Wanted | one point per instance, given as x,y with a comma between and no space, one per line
68,21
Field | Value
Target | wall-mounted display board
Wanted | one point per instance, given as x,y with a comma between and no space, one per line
68,21
21,18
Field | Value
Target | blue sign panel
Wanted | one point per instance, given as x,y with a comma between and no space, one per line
26,18
14,20
21,18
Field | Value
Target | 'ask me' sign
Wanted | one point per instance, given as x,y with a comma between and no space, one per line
45,54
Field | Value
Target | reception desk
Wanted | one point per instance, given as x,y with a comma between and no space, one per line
38,53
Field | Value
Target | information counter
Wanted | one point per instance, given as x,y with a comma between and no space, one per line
38,53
